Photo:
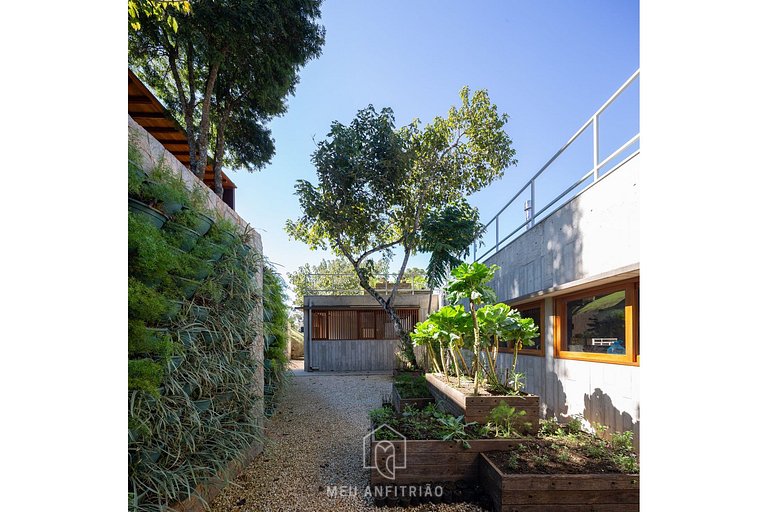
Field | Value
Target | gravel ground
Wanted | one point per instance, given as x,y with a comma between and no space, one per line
315,440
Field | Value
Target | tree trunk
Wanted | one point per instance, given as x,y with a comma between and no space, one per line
406,347
205,123
218,156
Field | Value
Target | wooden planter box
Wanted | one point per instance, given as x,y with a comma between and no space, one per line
436,461
477,408
613,492
399,402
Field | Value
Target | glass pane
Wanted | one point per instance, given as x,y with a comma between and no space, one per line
534,313
596,324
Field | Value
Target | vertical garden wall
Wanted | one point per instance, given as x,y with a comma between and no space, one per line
195,333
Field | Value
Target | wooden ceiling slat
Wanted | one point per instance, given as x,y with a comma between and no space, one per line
147,115
152,116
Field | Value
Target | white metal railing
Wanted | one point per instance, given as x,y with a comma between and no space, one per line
531,212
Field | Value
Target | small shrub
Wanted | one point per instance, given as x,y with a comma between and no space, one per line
412,386
144,303
381,416
506,421
145,375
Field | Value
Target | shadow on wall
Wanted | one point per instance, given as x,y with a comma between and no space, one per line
546,255
599,408
555,397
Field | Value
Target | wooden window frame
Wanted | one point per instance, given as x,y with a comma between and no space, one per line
358,315
325,330
631,331
530,351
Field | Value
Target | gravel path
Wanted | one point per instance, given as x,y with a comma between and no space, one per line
315,440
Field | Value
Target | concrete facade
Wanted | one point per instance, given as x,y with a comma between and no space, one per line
589,241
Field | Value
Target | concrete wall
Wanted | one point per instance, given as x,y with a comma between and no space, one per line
590,240
594,233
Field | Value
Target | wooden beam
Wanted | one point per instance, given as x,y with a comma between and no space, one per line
139,99
172,141
163,129
148,115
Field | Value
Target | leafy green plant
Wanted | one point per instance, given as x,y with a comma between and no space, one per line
145,375
454,429
412,386
145,342
470,282
513,460
165,186
381,416
174,444
506,421
144,303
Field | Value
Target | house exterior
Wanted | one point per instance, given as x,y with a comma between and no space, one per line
576,271
354,333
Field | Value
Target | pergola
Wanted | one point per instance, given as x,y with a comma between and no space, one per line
147,110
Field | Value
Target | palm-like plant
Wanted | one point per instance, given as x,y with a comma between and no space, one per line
447,235
500,322
447,327
470,282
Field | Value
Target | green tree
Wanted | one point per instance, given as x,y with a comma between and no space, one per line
336,274
225,70
377,183
160,10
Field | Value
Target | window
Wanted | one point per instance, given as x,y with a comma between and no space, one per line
533,310
599,324
359,324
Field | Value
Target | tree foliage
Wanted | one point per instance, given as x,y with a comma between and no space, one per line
447,234
160,10
336,274
377,184
225,70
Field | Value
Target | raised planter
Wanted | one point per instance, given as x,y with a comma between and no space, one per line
200,313
170,207
174,362
189,337
243,250
187,237
433,461
399,403
202,222
174,308
202,405
614,492
155,217
477,408
188,287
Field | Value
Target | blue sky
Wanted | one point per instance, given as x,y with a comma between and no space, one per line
548,64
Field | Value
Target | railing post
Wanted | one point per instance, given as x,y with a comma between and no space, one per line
595,147
533,202
474,251
497,234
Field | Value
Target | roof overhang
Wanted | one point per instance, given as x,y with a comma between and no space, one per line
151,115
